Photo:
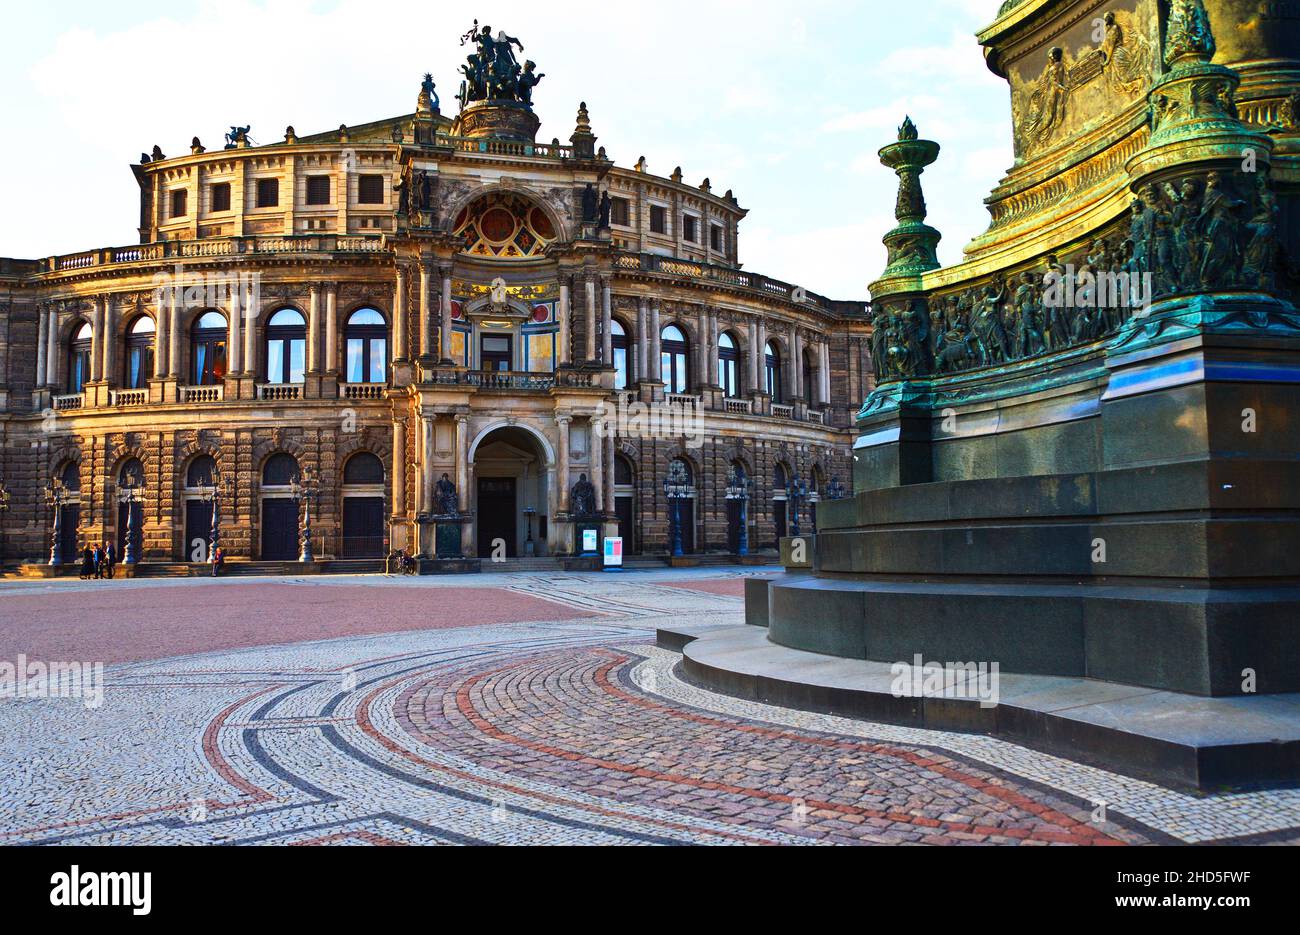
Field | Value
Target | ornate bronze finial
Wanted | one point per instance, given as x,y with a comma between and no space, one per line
583,140
912,243
1188,35
907,131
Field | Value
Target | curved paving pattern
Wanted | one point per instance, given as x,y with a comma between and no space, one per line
569,730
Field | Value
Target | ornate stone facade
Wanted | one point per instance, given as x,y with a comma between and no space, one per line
416,296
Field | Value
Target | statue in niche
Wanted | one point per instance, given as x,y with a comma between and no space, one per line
606,206
583,497
590,205
498,292
444,495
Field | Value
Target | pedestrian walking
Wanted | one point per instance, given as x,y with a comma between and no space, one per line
87,562
110,559
218,560
97,561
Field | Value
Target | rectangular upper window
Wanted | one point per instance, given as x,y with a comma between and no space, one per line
318,189
268,193
221,196
715,237
180,203
658,219
370,190
690,228
618,211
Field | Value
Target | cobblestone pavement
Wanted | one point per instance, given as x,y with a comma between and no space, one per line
509,709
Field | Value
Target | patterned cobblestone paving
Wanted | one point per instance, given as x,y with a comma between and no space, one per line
510,709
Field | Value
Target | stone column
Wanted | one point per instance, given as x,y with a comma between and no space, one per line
445,310
566,339
162,318
250,330
462,462
426,315
426,463
97,340
110,339
235,357
313,330
642,339
591,317
795,380
332,328
755,357
702,349
825,395
42,345
562,472
174,334
713,347
762,356
596,452
399,467
606,323
656,360
398,351
52,352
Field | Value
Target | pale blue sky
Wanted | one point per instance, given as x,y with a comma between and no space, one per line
784,102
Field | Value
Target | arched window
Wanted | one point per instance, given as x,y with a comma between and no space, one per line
779,480
79,357
139,353
363,468
286,346
728,365
131,471
367,347
71,477
208,349
772,373
279,470
200,472
672,360
618,340
623,471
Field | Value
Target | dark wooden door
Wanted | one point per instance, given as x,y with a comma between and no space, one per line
496,514
780,517
198,530
279,529
623,510
733,526
363,527
686,516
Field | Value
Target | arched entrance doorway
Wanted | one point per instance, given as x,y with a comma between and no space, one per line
363,506
70,513
198,509
279,509
511,486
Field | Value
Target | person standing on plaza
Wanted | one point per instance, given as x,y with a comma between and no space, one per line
97,561
110,560
87,562
218,559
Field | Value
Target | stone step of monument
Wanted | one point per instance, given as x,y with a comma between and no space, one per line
1183,741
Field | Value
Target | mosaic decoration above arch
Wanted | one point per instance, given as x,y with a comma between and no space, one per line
504,226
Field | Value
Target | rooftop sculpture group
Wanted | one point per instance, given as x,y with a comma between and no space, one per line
493,73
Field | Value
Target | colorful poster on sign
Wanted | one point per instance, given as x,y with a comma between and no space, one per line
613,551
589,541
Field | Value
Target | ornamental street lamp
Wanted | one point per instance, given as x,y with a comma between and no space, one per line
740,488
131,492
56,495
214,493
795,493
677,487
305,487
835,490
4,508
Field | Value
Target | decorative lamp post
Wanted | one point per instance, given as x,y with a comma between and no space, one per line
305,487
677,487
740,488
131,492
835,490
795,492
4,508
219,489
55,496
529,547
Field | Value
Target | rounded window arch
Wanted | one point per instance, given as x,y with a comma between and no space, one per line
728,364
619,344
780,479
624,472
286,346
201,471
139,357
363,468
79,350
503,225
366,347
279,470
131,471
674,353
70,476
208,349
772,382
